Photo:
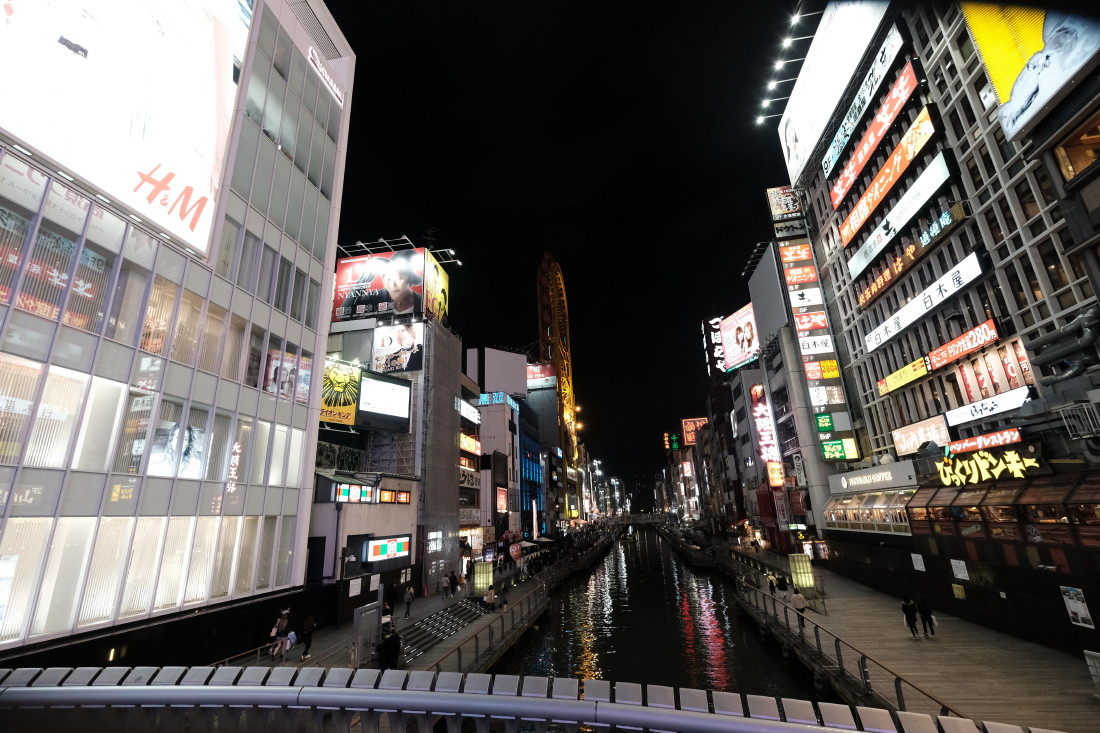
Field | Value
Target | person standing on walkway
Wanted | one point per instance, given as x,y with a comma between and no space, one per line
909,611
771,584
504,597
307,634
409,596
799,602
453,581
490,599
928,621
282,632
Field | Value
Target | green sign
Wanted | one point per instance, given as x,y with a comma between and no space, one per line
839,450
825,423
674,439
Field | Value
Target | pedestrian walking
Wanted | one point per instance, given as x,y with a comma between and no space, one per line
453,582
909,611
409,596
781,585
307,634
771,584
928,621
799,602
490,599
281,633
504,597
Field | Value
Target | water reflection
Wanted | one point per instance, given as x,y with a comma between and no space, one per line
644,616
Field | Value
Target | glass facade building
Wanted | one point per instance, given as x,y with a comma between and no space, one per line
157,410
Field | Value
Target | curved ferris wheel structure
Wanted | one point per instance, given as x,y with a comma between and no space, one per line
554,346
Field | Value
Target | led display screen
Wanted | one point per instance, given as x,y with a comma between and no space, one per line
136,97
739,339
383,402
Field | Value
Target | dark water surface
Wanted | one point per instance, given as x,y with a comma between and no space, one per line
644,616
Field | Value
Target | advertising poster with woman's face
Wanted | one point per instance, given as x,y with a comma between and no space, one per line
379,284
739,342
436,289
398,348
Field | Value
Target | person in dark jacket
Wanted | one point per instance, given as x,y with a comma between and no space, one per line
928,621
909,611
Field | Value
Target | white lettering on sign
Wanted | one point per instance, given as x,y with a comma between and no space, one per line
327,78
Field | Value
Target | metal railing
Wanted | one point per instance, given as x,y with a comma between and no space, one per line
841,658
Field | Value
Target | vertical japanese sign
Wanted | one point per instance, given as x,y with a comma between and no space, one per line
818,353
766,437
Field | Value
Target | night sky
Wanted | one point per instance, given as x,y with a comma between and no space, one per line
620,138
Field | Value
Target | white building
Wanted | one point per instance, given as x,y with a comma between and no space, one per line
168,245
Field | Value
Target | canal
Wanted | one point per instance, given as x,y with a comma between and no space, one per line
645,616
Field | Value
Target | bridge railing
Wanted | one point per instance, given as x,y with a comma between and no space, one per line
315,699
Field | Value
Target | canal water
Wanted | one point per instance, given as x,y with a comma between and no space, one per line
645,616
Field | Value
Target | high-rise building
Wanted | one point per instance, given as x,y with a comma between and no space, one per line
168,213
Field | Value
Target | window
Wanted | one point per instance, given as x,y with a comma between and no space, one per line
212,335
88,295
165,452
19,384
305,376
298,295
141,572
283,285
109,553
1078,152
255,357
187,328
47,274
266,283
247,554
220,449
158,314
56,418
228,248
234,345
131,439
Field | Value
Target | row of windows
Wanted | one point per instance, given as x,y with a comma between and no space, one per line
54,417
104,570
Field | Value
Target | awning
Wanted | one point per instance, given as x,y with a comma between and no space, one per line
1087,492
543,539
970,497
525,543
921,497
1051,489
943,497
1003,494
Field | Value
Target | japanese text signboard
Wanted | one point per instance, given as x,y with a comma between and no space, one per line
818,351
984,466
766,438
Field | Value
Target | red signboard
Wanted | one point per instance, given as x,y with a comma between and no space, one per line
989,440
800,275
899,94
795,253
970,341
905,153
810,321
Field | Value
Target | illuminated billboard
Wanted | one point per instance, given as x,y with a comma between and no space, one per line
784,203
690,426
908,373
911,437
379,284
436,289
339,393
818,350
766,437
389,548
398,348
881,123
953,282
136,97
383,402
712,346
840,41
739,342
909,205
982,442
880,65
1033,58
1010,400
906,151
541,376
974,339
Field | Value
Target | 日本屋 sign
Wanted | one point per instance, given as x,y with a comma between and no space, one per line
984,466
954,281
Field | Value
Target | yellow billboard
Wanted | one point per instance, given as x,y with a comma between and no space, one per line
436,286
340,392
1032,56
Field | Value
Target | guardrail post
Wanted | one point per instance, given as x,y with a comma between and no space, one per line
865,672
839,658
901,699
817,637
477,647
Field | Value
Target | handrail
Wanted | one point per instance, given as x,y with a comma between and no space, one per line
864,663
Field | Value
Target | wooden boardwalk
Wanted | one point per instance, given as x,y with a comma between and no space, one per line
984,674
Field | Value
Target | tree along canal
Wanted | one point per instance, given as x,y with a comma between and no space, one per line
645,616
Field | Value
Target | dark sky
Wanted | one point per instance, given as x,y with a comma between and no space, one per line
620,137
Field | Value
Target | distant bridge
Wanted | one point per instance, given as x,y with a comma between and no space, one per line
624,519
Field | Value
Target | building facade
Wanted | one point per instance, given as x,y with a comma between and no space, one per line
161,309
